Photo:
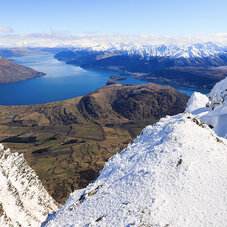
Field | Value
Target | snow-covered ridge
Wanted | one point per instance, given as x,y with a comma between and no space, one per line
23,199
145,51
174,174
211,109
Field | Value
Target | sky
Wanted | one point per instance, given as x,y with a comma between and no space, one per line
113,17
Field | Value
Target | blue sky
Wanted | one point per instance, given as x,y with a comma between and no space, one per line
163,17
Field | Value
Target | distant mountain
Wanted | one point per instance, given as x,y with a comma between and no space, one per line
12,72
23,199
18,51
197,54
159,63
146,51
27,51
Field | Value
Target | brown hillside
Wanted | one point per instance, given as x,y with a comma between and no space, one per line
12,72
68,142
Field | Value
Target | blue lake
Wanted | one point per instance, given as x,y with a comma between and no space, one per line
62,81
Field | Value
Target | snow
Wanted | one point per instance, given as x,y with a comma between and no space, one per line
23,199
218,119
174,174
162,50
211,109
218,94
197,103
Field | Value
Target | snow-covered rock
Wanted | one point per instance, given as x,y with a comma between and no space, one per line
211,109
197,103
23,199
217,119
218,95
174,174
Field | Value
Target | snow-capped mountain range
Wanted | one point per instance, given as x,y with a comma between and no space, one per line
174,174
188,51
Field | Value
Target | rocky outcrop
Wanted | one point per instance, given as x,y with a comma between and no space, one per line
23,199
211,109
218,95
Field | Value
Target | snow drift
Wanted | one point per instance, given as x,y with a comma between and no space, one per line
211,109
23,199
174,174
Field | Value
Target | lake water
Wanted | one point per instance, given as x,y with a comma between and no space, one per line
62,81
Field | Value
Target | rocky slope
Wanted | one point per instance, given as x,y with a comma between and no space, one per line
23,199
172,175
12,72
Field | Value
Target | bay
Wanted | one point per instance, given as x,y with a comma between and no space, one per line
62,81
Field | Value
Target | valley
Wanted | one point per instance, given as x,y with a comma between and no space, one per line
68,142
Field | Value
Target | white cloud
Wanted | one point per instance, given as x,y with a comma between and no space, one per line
61,39
6,29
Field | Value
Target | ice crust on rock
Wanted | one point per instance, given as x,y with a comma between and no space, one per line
23,199
214,112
